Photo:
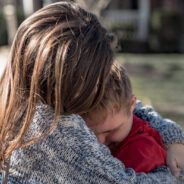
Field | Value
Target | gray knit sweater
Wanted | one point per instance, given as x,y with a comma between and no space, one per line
72,154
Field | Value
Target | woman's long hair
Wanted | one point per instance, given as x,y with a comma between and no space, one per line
61,56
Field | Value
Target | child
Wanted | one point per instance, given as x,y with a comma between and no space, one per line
136,139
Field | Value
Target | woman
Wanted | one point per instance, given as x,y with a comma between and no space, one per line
59,64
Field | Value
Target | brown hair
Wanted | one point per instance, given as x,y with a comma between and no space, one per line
61,56
118,93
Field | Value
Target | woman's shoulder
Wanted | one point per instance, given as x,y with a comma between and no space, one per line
70,154
57,152
71,129
44,116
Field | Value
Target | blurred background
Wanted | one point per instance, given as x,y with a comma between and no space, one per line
150,46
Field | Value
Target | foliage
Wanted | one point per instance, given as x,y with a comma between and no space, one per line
165,31
3,25
164,35
3,29
20,15
125,33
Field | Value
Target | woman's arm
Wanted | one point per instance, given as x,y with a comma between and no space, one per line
99,166
169,130
72,154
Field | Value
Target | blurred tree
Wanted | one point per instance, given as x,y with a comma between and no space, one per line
182,27
3,29
166,27
95,6
30,6
9,10
37,4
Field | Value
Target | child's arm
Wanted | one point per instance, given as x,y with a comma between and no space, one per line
169,130
175,158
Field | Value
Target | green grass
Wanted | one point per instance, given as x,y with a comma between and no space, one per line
158,80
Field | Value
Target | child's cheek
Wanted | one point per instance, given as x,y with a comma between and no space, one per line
117,137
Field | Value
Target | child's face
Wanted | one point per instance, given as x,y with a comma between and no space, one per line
112,129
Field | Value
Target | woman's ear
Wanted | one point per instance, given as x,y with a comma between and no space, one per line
133,103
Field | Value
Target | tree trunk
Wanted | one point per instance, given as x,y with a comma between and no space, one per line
182,28
37,4
94,6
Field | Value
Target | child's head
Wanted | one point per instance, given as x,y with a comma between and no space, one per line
118,91
111,120
61,56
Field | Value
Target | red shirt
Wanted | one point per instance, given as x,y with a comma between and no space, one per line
142,149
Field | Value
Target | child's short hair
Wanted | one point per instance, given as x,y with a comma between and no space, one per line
118,92
118,89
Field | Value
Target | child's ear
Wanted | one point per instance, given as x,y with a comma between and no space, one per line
133,103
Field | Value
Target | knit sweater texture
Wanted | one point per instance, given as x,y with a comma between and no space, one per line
72,154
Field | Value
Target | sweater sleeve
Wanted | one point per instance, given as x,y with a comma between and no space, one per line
169,130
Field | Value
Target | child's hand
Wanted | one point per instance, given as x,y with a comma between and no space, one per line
175,158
